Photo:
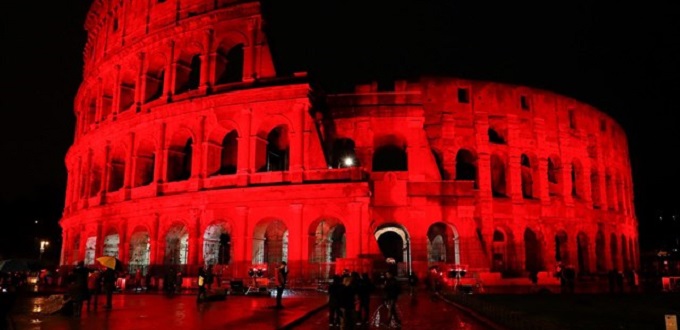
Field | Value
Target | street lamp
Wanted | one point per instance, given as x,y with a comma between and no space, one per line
43,245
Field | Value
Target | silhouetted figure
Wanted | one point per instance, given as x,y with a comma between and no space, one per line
347,300
390,296
281,281
202,293
109,285
364,289
334,293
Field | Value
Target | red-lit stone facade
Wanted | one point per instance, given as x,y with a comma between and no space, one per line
191,150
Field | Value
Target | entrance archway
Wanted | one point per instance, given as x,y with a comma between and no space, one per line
394,242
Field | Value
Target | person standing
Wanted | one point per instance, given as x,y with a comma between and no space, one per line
390,297
109,284
202,293
209,277
281,280
334,292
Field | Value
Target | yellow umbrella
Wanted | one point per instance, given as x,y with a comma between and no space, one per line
110,262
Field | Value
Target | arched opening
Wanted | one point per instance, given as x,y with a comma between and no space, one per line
327,242
106,101
600,253
390,158
145,162
111,242
527,177
561,248
582,253
155,78
442,244
533,253
127,90
495,137
466,166
343,154
270,243
217,245
91,113
393,242
229,154
177,245
609,185
274,156
76,247
498,183
188,74
499,252
95,180
90,250
553,177
229,65
577,180
179,160
117,170
140,251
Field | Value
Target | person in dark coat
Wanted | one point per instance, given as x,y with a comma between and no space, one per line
202,292
109,284
281,281
78,288
390,296
347,300
364,290
334,313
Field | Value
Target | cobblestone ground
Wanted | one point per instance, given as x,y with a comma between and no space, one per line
421,311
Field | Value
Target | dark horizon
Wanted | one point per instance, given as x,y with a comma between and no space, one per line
621,59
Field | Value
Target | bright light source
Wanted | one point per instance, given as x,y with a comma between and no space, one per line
348,161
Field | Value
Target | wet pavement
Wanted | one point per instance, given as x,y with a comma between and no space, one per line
422,311
156,311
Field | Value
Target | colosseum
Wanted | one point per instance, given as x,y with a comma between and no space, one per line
191,149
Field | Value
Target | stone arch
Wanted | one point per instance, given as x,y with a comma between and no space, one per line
117,169
582,248
502,250
498,176
90,248
180,155
530,175
126,88
155,77
90,110
272,152
111,243
394,242
495,136
177,244
145,163
217,243
562,247
390,153
533,251
577,182
222,158
466,165
443,243
95,179
188,68
140,249
327,240
229,58
554,179
270,242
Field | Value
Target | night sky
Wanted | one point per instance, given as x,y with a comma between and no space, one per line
620,58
